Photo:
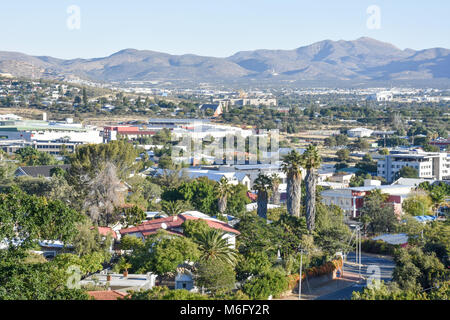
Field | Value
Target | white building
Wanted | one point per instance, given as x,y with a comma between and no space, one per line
359,132
430,165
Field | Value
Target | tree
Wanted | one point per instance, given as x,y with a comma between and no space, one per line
252,264
263,185
200,193
224,190
37,281
29,218
292,167
214,246
367,164
311,160
417,204
105,195
416,270
276,181
163,253
343,154
88,240
131,243
30,156
164,293
236,203
377,214
89,160
216,276
133,216
173,208
271,283
407,172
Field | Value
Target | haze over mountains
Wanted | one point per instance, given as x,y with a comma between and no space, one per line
364,59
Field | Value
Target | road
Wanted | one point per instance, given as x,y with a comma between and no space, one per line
368,268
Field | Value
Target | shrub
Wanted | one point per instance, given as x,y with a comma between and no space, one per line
273,282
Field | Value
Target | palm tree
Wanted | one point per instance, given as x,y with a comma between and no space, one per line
224,190
292,166
275,185
311,162
263,184
173,208
213,245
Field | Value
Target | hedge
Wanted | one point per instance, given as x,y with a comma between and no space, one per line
378,247
326,268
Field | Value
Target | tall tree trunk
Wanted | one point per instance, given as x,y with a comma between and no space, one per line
276,197
294,195
222,205
310,199
262,204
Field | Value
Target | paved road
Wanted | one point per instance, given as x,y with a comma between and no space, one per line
369,267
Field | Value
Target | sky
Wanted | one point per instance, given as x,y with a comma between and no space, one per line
86,29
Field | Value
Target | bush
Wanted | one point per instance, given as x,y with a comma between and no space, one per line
273,282
378,247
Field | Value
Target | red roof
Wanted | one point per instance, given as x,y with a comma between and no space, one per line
105,231
152,226
106,295
252,196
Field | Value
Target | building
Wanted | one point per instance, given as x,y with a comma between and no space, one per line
351,200
430,165
39,171
382,96
359,133
174,225
216,108
132,133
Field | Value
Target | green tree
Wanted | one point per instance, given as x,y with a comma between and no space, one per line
407,172
213,245
377,214
216,276
271,283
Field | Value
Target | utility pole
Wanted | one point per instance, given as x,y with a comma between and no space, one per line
359,229
300,280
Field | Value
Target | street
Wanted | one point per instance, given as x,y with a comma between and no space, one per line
371,266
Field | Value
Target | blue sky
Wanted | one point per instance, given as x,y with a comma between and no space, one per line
213,27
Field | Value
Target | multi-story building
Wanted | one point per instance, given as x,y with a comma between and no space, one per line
351,200
430,165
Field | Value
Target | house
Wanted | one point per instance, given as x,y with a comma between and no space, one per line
39,171
359,132
217,108
173,225
107,295
184,280
133,282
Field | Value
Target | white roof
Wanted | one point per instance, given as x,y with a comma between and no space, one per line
254,206
399,238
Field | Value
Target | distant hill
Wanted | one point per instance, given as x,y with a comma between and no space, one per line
364,59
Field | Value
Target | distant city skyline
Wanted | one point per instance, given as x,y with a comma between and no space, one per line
213,28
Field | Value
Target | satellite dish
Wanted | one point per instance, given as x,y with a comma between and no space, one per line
164,226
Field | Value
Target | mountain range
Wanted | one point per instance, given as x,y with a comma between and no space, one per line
364,59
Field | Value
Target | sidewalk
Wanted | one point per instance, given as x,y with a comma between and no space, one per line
347,280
